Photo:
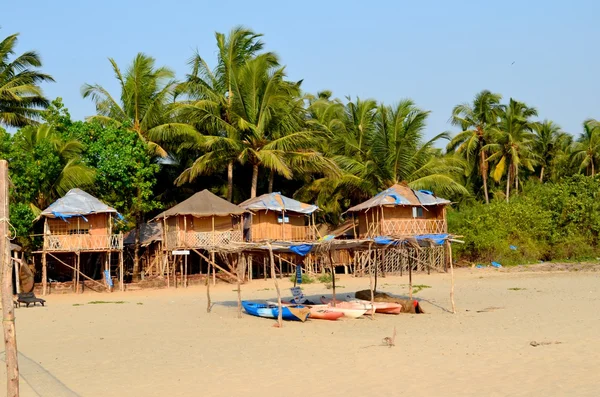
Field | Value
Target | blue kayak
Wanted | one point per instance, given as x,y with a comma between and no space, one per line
297,313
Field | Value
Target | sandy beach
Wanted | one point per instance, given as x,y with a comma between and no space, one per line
163,343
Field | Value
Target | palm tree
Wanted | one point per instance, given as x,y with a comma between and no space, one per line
514,142
146,92
44,141
476,121
402,155
21,98
210,99
586,151
548,143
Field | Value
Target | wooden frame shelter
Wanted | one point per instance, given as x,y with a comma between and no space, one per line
275,217
202,222
77,224
151,243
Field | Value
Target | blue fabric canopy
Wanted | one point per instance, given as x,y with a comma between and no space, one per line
436,238
301,249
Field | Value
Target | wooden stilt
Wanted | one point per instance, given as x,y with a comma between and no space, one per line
410,288
332,274
16,265
8,314
372,286
214,270
78,271
44,274
451,276
241,270
73,268
208,302
274,277
121,271
265,267
185,281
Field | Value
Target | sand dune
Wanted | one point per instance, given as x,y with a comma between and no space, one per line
163,343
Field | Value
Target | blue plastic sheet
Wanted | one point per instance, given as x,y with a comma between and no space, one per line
108,278
436,238
301,249
513,247
496,264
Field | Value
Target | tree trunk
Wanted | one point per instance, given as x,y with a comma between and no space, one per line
593,171
271,179
483,170
254,180
136,247
542,174
508,184
516,180
230,181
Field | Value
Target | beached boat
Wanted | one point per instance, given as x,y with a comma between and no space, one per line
298,313
317,312
348,310
380,307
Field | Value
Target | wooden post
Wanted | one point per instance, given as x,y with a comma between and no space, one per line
265,267
17,267
283,225
451,276
208,304
280,269
8,314
332,274
78,271
376,268
185,280
214,270
241,270
121,271
410,288
372,287
274,277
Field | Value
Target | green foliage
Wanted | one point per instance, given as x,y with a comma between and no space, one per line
306,279
419,287
21,217
546,222
125,173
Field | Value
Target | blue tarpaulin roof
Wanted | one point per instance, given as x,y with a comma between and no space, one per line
77,203
278,202
401,195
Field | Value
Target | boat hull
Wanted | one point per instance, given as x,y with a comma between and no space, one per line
266,310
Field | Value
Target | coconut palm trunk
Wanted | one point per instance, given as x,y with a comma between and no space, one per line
508,184
271,180
542,174
230,181
254,180
483,170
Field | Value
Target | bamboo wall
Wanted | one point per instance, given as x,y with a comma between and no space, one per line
266,227
399,221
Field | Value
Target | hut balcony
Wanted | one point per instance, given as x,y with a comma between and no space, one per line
409,227
268,231
193,239
82,242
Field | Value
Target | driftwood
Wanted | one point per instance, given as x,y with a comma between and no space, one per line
408,305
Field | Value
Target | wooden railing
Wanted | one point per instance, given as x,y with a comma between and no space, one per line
82,242
182,239
410,227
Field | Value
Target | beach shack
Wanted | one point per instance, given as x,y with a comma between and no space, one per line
202,221
78,235
399,212
277,217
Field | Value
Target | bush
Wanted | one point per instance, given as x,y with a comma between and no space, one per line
306,279
552,221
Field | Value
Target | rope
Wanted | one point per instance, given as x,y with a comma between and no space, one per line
13,235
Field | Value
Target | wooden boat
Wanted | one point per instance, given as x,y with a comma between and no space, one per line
298,313
348,310
317,312
380,307
347,304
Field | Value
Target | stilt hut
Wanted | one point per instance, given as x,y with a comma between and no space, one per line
78,236
202,221
400,212
277,217
417,216
151,238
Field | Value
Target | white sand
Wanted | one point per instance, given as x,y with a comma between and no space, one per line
170,346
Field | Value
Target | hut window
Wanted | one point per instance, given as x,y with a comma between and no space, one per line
417,212
283,219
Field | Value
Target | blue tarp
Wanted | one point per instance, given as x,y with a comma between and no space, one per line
108,278
436,238
301,249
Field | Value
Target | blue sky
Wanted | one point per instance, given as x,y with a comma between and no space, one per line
438,53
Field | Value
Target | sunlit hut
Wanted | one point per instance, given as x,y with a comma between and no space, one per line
276,217
203,222
417,216
79,240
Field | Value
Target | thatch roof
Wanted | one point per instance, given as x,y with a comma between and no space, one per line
76,203
203,204
149,233
278,202
400,194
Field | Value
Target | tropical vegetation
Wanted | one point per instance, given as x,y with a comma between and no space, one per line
241,127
